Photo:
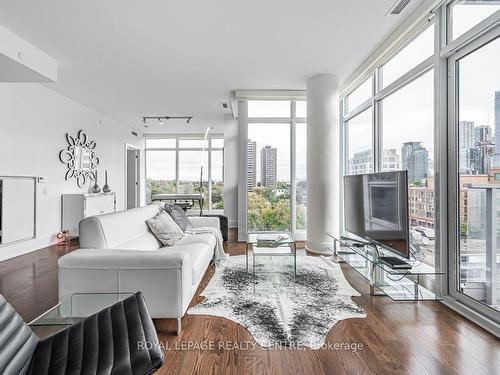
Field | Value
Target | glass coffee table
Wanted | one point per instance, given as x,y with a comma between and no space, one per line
261,244
72,310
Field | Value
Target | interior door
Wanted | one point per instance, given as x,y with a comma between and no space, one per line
132,178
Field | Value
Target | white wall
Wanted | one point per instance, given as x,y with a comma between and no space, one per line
33,124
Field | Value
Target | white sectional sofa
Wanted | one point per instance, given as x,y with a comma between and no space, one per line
119,254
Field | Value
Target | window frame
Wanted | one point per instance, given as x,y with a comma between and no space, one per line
454,175
444,111
375,102
245,121
177,149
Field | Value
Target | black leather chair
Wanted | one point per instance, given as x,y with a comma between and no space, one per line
118,340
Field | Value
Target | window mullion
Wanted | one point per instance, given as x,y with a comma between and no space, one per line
293,187
376,122
177,165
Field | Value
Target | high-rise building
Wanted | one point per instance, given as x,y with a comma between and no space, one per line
268,166
466,138
482,133
361,162
496,159
479,158
390,160
252,165
466,135
473,161
415,159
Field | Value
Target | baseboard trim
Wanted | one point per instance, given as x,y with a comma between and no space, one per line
20,248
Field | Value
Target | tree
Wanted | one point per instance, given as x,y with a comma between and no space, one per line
416,183
266,211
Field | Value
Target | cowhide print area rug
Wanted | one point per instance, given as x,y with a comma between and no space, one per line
277,309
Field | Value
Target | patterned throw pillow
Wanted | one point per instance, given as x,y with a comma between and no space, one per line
165,229
179,216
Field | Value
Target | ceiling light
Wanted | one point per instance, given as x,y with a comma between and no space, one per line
160,119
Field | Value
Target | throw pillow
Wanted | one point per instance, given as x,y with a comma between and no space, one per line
179,216
164,228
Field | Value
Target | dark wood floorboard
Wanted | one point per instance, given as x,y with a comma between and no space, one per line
397,337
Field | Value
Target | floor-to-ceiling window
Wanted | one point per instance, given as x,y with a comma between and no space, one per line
401,134
435,111
276,166
173,165
407,132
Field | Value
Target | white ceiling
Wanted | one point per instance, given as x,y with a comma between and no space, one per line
129,58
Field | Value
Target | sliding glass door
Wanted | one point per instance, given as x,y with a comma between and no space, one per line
475,126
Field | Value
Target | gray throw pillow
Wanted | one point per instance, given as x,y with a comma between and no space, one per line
179,216
165,229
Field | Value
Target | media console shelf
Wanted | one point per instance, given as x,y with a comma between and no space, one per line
420,283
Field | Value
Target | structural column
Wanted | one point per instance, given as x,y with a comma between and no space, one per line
323,162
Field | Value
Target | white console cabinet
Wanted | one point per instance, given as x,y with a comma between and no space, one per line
76,207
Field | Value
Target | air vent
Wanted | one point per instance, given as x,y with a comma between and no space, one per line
398,6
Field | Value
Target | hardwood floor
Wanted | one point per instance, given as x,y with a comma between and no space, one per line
397,337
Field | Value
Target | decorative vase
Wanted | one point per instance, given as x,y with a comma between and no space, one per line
106,188
64,238
96,189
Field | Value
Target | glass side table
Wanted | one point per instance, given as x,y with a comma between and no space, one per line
286,247
420,283
73,310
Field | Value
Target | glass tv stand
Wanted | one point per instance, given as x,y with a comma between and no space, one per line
420,283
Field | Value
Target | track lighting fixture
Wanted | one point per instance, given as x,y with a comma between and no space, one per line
160,119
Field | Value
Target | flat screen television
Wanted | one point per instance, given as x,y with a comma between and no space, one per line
376,209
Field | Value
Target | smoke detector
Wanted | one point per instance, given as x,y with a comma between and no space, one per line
398,6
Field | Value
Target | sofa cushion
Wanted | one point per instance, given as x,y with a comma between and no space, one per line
204,238
164,228
179,216
110,230
147,241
